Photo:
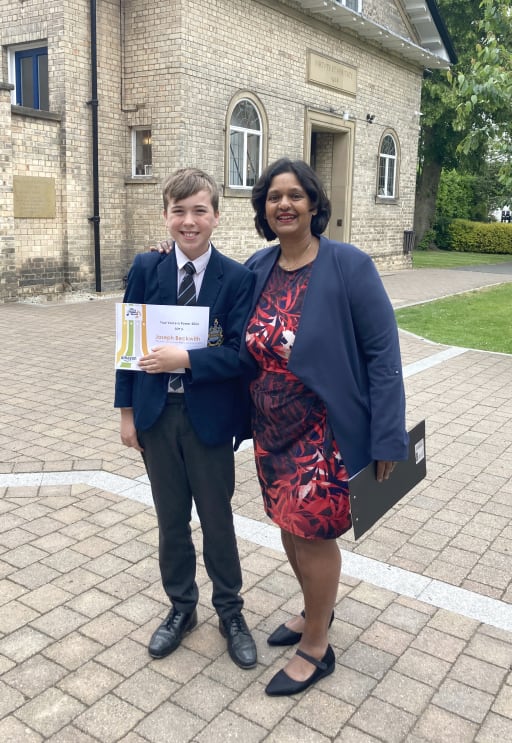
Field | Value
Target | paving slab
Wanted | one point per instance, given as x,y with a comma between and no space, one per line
423,626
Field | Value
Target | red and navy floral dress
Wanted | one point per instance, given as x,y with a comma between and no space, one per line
301,472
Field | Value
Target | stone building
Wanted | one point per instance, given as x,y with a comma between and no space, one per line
101,99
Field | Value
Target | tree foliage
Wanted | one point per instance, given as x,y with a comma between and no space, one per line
466,121
484,91
441,134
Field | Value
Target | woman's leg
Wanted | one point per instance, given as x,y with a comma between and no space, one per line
289,548
318,563
295,623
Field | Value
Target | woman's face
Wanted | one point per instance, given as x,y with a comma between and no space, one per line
288,208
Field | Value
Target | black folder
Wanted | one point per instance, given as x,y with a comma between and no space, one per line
369,499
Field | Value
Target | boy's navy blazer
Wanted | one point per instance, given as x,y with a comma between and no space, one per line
347,351
212,385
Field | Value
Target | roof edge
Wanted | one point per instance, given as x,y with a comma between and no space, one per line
443,31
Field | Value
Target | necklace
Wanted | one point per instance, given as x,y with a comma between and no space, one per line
298,260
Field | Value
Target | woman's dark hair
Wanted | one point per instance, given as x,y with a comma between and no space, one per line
309,181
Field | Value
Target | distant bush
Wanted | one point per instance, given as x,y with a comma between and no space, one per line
465,196
479,237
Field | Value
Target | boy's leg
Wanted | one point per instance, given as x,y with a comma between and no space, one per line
163,457
212,479
211,475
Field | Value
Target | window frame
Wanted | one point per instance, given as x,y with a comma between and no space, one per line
244,190
388,198
134,130
359,5
16,53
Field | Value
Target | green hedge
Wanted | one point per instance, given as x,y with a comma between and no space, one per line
480,237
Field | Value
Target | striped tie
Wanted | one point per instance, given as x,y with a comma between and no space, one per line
187,290
186,295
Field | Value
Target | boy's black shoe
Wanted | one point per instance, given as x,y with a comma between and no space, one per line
171,632
241,646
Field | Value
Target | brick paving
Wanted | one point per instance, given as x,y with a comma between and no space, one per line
80,591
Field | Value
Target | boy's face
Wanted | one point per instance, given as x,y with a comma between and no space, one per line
191,222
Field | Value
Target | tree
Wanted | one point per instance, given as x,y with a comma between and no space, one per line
442,128
484,92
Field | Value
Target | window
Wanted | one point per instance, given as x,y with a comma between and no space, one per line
142,158
30,77
352,4
245,145
387,175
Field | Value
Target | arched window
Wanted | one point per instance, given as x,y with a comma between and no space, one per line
388,170
245,130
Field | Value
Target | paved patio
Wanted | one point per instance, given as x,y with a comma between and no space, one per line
423,627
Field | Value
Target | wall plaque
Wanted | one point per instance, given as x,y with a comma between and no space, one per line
33,197
331,74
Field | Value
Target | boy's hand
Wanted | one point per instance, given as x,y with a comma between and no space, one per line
165,359
128,430
165,246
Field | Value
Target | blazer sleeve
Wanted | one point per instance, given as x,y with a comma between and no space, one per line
217,363
377,337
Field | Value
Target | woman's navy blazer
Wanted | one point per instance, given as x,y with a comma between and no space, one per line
347,351
212,387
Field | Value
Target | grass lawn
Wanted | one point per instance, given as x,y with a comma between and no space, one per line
452,259
477,319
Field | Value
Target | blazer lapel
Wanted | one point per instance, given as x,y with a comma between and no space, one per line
262,267
313,301
168,279
263,272
212,281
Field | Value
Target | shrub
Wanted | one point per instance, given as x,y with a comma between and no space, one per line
480,237
455,196
466,196
427,241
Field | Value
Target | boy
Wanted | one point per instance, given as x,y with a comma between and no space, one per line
183,424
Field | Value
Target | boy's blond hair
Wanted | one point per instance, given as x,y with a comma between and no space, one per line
186,182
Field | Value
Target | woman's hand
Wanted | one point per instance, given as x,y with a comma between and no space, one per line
384,470
165,246
164,359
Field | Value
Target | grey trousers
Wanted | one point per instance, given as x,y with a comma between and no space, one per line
181,469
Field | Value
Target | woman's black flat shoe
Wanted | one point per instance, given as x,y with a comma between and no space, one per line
284,636
282,685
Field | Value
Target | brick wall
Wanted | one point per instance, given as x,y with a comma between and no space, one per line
40,247
174,67
8,279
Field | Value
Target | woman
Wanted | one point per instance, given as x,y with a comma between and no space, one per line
327,396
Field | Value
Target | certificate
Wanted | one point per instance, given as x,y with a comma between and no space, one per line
141,327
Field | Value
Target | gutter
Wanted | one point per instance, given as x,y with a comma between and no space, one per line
443,31
93,102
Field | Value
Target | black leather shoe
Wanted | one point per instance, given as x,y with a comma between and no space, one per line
171,632
241,646
281,685
285,636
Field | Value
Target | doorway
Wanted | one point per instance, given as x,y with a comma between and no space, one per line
329,149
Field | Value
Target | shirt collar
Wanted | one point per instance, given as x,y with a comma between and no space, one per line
199,263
